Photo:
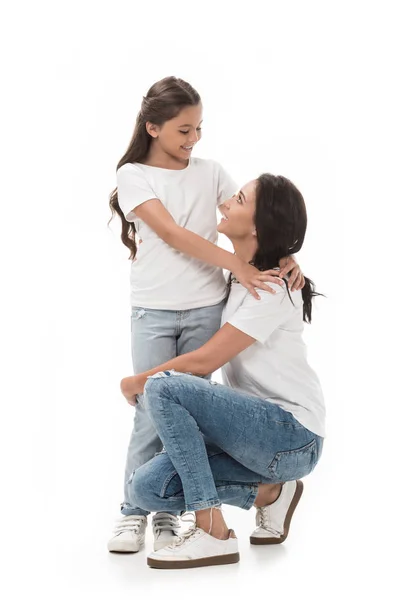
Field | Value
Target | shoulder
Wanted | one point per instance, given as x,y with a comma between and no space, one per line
131,174
282,298
128,168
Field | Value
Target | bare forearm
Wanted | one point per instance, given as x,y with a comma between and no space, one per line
194,245
187,363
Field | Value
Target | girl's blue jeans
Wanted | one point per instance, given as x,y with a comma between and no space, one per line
159,336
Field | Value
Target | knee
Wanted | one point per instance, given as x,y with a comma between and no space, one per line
160,386
142,488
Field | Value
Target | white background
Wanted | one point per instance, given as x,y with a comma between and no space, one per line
303,89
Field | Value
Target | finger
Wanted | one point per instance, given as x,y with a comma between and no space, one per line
253,292
296,285
270,272
300,281
265,287
271,279
285,270
293,278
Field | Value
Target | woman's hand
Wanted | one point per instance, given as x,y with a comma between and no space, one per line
250,277
130,388
289,265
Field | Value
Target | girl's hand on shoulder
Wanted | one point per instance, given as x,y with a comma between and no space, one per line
129,389
250,277
289,265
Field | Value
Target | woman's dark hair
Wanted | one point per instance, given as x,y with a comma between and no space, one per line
281,222
164,101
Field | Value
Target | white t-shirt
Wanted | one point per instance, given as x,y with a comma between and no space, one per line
275,367
161,277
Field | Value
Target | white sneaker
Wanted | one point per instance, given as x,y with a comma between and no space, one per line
165,529
196,548
273,521
128,535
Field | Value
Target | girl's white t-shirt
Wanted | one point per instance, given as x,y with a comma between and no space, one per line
275,367
161,277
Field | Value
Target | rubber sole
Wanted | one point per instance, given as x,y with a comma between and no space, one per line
223,559
267,541
121,550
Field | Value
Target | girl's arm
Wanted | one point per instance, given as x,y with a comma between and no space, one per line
157,217
220,349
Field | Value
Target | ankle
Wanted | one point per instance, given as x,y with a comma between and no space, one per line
212,522
267,494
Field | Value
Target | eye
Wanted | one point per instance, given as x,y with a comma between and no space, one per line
199,129
184,132
239,199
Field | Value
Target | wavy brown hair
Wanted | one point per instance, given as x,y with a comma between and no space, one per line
164,101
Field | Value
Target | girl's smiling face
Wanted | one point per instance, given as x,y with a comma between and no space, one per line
238,213
178,136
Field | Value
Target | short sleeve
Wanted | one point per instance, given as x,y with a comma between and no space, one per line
133,190
226,185
260,318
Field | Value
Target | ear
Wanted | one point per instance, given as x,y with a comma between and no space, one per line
254,232
152,129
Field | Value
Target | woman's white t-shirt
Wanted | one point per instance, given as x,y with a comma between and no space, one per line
161,277
275,367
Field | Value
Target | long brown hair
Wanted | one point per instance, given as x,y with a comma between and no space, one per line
164,101
281,222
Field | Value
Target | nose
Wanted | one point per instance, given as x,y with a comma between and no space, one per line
194,138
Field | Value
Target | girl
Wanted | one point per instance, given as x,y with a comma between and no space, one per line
168,201
266,425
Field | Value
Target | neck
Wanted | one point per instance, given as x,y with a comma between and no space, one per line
245,249
158,158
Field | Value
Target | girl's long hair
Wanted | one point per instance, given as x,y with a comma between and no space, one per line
164,101
281,223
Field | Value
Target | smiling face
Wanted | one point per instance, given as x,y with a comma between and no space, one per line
237,221
178,136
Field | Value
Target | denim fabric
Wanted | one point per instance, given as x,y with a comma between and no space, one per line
257,441
159,336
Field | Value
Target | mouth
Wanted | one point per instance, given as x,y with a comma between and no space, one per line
187,148
223,216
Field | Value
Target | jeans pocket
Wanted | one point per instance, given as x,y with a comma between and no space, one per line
294,464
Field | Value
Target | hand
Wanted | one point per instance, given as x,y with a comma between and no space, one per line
130,389
250,277
289,265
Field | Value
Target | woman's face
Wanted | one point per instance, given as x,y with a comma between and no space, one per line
238,213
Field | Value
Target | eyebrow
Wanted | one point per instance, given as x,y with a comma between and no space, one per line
189,124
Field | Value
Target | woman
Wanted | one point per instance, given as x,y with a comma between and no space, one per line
247,442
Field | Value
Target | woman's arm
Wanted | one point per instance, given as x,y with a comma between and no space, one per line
220,349
157,217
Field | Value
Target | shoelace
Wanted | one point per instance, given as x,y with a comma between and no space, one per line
130,523
165,523
190,533
263,521
193,531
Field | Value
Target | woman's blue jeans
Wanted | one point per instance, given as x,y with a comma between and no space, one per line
219,444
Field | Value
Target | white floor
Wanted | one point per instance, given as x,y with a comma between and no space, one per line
329,552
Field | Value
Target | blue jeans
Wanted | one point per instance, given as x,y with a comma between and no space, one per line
159,336
253,441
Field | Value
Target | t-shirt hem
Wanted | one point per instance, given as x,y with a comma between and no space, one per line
135,302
